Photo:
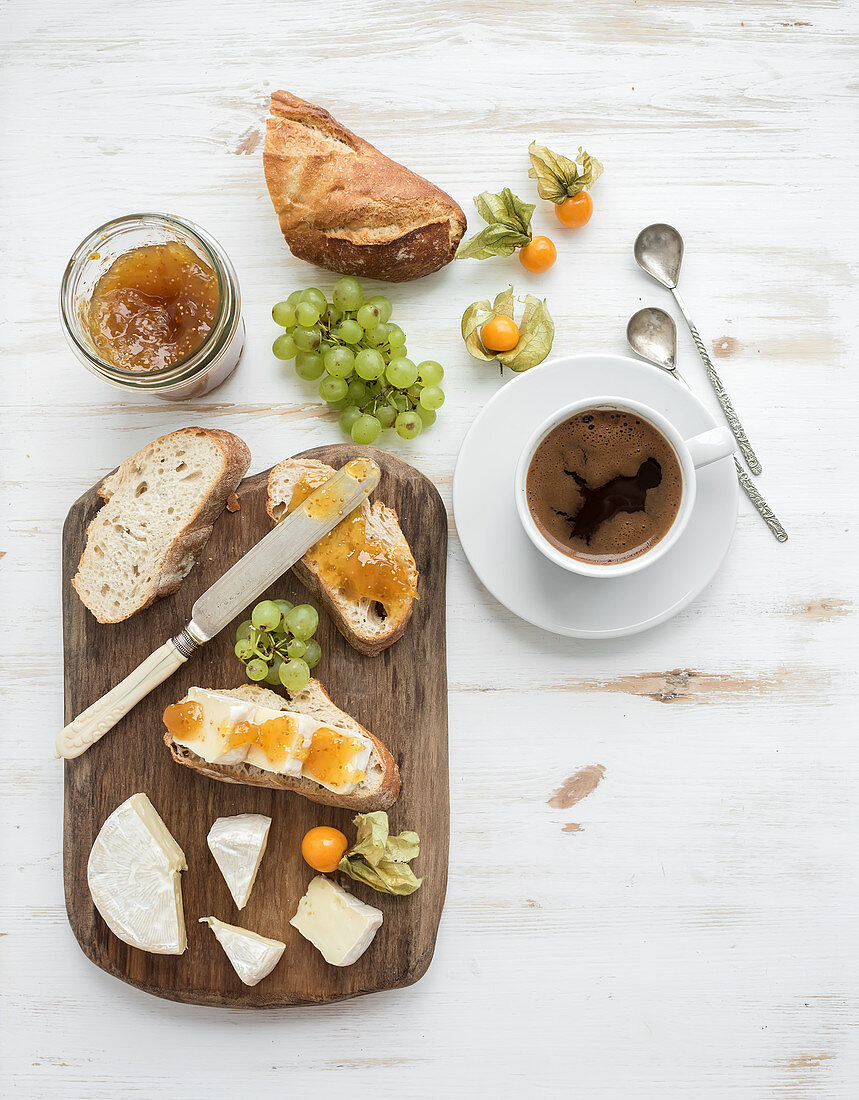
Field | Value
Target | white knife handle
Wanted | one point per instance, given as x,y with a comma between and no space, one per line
103,715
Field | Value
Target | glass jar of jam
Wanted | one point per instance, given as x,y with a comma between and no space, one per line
151,303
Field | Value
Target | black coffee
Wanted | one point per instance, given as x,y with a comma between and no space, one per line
604,486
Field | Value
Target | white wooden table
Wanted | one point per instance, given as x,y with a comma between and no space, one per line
688,929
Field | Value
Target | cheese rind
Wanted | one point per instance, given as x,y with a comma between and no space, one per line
253,957
337,923
133,877
238,845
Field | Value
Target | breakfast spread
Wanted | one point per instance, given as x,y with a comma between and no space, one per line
159,508
305,744
604,486
345,206
337,923
238,845
363,571
491,333
133,876
253,957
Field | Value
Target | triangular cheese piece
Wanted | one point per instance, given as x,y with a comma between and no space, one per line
238,844
252,956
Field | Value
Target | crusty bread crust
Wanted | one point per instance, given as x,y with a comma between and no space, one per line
359,622
182,552
312,700
345,206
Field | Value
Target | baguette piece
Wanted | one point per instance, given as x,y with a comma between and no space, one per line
377,791
160,507
368,625
344,205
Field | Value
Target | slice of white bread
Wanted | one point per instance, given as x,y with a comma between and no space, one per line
367,625
377,791
160,507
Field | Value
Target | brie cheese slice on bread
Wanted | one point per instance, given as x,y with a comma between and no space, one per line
253,957
238,844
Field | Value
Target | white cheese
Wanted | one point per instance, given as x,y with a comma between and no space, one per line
253,957
336,922
238,844
133,876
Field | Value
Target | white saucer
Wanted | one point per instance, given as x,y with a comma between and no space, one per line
516,573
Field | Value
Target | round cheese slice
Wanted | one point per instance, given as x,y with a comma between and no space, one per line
133,876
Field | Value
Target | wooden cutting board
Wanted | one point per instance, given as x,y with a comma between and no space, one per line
401,696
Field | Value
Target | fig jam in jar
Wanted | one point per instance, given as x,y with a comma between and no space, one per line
151,303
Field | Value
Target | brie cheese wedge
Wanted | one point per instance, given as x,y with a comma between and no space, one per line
238,844
253,957
336,922
133,876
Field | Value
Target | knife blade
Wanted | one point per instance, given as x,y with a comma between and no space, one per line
267,560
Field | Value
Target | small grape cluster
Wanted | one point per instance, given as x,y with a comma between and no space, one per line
359,359
276,643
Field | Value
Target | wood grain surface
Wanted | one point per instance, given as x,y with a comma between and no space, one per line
400,696
695,934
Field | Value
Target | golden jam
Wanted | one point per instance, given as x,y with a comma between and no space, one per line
183,720
152,307
356,564
329,759
278,738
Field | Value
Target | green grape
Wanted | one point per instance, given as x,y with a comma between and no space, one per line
332,389
430,372
366,429
296,648
396,336
408,425
386,415
244,630
401,373
340,362
382,304
307,339
316,298
347,418
427,416
339,405
294,675
309,365
307,314
401,402
273,674
369,364
266,615
294,298
333,317
283,314
325,347
256,669
359,391
347,294
313,653
243,650
432,397
284,606
399,353
414,393
284,347
368,317
303,621
377,336
350,332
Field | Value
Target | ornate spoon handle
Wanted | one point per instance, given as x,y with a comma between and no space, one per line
722,394
766,513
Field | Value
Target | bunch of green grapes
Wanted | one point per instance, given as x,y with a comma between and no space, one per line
359,359
276,643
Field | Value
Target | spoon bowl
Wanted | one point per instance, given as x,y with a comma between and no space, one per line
652,334
658,250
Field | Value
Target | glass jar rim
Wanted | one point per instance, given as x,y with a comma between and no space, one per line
215,340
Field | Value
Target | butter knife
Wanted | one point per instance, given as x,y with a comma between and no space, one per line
269,559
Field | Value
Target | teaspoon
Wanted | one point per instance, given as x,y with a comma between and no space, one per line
651,333
659,252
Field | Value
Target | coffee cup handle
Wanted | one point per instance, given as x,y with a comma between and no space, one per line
710,446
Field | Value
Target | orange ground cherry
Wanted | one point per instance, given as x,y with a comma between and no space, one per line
500,334
539,255
575,211
323,848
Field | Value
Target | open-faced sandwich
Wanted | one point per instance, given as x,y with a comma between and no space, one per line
304,744
363,571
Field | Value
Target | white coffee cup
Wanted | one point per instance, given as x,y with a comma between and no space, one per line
693,453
